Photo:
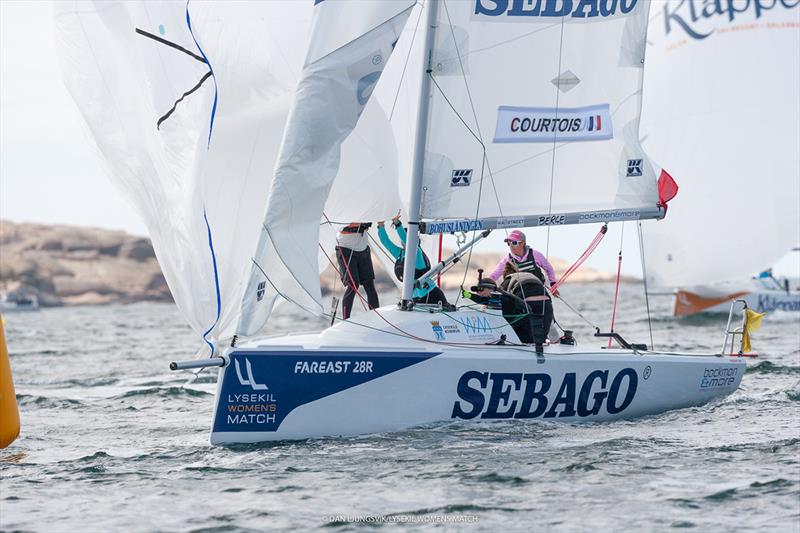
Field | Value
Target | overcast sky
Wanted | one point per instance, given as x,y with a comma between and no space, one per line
50,173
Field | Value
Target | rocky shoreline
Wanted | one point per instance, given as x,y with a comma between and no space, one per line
71,265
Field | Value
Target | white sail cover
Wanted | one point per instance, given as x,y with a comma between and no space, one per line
722,112
187,103
535,111
351,42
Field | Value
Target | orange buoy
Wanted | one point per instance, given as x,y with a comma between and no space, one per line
9,412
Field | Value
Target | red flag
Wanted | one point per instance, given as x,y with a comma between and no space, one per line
667,188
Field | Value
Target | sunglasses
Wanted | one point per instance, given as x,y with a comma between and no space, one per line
513,243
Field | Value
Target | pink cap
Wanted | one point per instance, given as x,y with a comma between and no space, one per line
515,235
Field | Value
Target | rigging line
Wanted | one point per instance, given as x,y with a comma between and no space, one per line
411,335
583,257
280,258
326,253
616,288
377,243
534,156
553,159
171,44
405,65
511,40
483,164
401,334
477,213
644,277
474,113
179,100
578,313
464,122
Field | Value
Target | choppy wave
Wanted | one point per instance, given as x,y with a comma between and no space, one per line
163,392
767,367
113,426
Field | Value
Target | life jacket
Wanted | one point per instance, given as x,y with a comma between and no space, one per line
360,228
528,264
418,272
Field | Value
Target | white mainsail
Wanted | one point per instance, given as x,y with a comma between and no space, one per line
351,42
524,123
721,111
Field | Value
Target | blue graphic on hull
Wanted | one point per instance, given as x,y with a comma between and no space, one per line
260,389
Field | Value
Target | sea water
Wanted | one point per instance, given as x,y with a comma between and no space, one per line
113,441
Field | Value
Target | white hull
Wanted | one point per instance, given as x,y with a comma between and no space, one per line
688,302
330,384
13,307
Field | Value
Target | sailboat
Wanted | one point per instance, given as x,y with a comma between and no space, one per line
721,107
536,104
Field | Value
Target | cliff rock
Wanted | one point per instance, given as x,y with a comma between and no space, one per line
68,265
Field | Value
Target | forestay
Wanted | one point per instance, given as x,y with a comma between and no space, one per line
187,103
721,110
350,43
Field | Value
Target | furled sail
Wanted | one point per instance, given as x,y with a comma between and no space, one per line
350,43
187,103
535,115
721,110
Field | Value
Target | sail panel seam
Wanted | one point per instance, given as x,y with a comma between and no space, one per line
216,283
211,68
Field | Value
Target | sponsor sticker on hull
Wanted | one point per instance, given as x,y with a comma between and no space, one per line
537,395
787,302
259,390
549,124
719,378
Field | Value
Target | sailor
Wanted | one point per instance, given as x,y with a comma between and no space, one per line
526,259
426,295
515,309
530,289
355,265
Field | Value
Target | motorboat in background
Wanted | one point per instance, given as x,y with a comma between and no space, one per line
14,301
763,293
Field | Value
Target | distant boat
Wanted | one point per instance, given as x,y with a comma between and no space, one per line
762,294
13,301
720,110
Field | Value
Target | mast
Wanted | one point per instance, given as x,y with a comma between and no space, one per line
412,238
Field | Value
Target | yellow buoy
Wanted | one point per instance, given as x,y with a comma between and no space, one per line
9,413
